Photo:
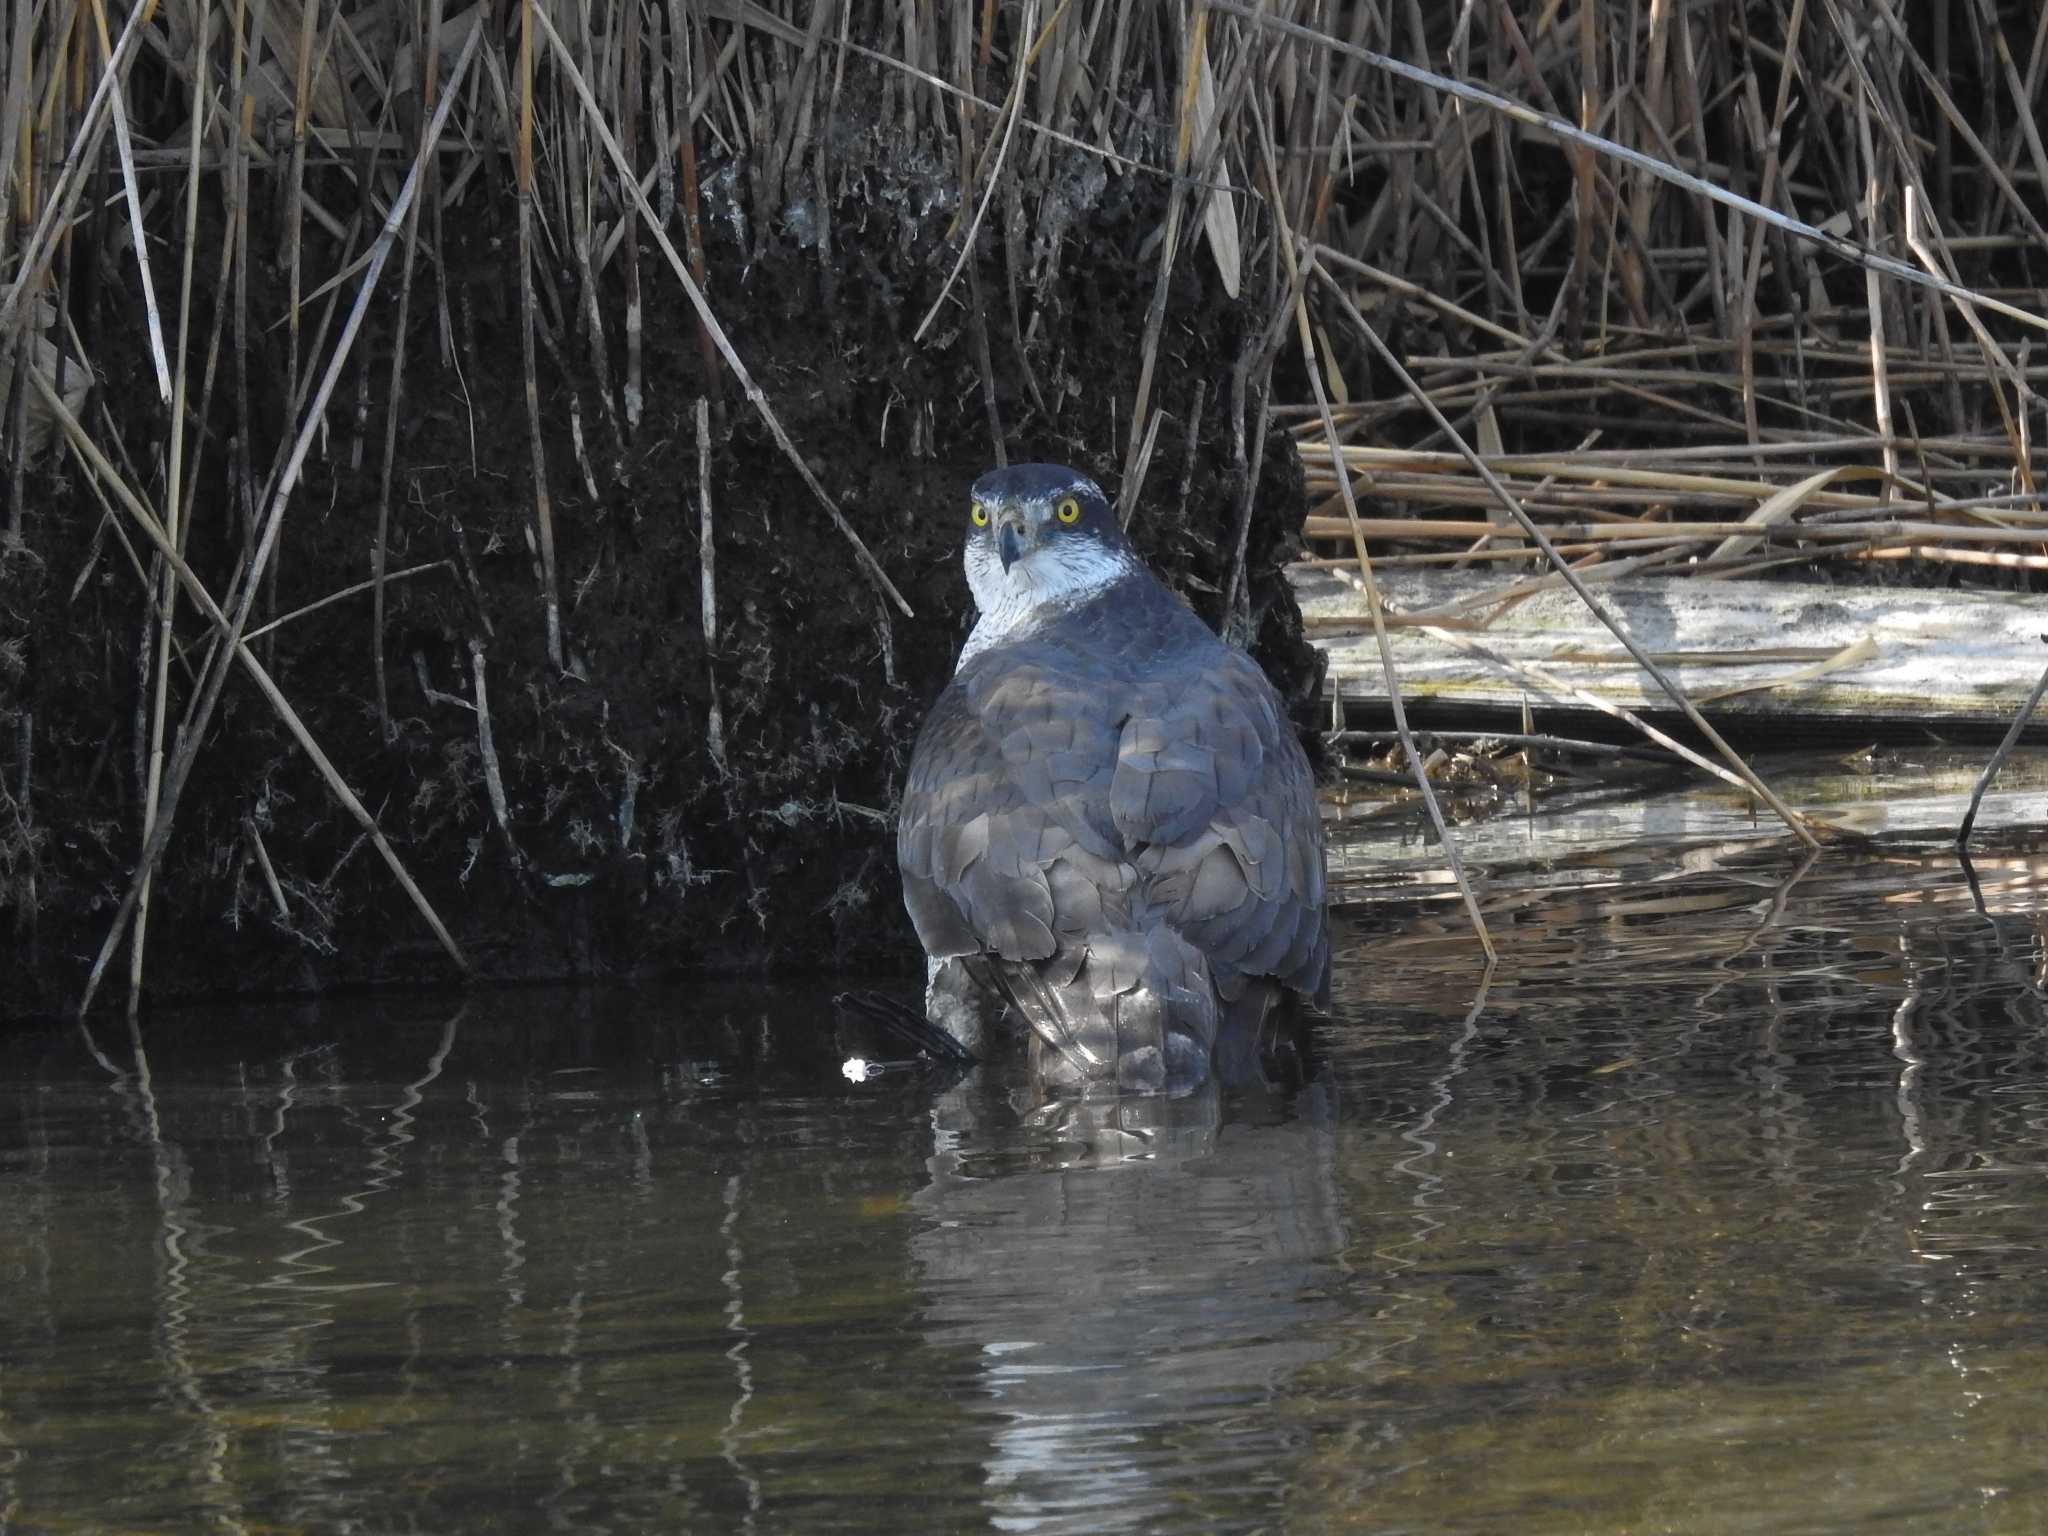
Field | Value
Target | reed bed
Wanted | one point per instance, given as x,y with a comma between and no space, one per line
517,441
1815,316
1687,291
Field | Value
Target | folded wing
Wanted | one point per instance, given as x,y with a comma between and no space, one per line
1062,793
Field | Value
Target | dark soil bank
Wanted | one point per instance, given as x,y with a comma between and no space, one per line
637,834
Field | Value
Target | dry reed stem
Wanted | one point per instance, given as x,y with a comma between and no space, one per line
220,289
1873,294
1992,559
1297,308
1918,241
2005,747
63,196
754,394
1617,480
174,510
582,234
309,12
1193,63
269,872
693,228
395,397
1846,249
1416,769
124,149
1015,101
1819,541
343,593
1775,509
487,754
543,509
14,144
1853,654
629,225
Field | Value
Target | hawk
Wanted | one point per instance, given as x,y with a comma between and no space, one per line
1108,824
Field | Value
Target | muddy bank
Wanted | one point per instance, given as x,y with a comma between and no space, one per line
657,802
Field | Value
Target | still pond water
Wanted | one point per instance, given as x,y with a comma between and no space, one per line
1719,1206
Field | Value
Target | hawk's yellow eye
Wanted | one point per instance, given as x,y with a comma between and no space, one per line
1069,510
979,515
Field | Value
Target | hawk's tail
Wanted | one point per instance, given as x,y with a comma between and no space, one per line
1135,1012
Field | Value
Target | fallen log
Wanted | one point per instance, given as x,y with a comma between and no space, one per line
1886,663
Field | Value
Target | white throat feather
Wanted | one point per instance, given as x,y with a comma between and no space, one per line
1050,580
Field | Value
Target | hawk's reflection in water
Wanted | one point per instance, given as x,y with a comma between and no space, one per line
1141,1277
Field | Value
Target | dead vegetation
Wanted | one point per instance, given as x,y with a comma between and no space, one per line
1722,291
528,431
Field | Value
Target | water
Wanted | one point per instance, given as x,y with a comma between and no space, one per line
1719,1206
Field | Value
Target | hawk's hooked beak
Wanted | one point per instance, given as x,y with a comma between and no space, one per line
1011,539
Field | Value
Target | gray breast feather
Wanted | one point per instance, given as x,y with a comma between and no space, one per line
1121,770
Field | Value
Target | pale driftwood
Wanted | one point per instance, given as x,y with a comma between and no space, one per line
1917,795
1943,659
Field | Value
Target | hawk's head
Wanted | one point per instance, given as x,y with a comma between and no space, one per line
1042,533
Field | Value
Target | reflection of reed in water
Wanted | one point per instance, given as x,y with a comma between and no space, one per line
182,1268
1139,1277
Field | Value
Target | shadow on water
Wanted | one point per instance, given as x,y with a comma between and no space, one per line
1717,1206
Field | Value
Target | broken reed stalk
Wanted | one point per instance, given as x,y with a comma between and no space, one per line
1513,506
1917,232
487,753
2005,747
269,871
